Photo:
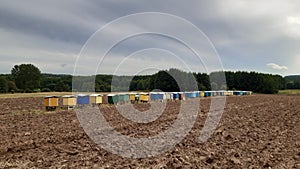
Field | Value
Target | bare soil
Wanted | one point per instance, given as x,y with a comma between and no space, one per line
258,131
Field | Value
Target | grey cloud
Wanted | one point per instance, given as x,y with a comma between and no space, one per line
68,32
248,35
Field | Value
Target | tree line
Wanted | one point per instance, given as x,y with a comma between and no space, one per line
293,82
28,78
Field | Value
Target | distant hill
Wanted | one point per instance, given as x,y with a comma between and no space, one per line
292,77
292,82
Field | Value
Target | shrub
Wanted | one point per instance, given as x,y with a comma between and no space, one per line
45,90
28,90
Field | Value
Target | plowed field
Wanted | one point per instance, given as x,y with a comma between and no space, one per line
258,131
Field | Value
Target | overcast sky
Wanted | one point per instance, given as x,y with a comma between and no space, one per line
254,35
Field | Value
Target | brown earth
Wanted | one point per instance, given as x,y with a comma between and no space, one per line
259,131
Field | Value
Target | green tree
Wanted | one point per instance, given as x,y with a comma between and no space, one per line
11,86
61,87
203,81
3,85
26,76
164,81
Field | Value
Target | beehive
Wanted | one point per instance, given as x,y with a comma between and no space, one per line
154,96
222,93
169,96
193,94
51,102
230,93
126,98
213,93
206,94
175,96
144,97
209,93
201,94
160,95
132,97
164,95
197,93
227,93
69,101
96,99
83,99
113,98
123,98
188,95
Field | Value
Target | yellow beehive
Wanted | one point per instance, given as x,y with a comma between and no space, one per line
95,99
51,101
230,93
144,97
201,94
69,100
132,96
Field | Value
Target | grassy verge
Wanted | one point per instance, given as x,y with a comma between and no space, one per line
19,95
295,91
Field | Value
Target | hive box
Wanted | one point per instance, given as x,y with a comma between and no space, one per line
175,96
169,96
96,98
83,99
132,97
123,97
201,94
51,102
112,98
69,101
156,96
144,97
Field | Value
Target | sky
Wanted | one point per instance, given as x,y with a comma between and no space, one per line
141,36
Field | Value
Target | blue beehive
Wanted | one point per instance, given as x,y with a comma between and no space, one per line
156,96
160,96
188,95
83,99
176,96
193,94
153,96
206,94
197,93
